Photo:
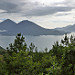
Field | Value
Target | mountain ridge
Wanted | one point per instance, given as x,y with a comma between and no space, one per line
26,28
69,28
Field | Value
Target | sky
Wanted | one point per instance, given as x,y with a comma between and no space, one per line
46,13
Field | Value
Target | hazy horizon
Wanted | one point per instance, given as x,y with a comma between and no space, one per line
46,13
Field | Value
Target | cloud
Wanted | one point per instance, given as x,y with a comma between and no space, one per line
8,6
13,6
34,8
69,3
42,11
1,11
62,14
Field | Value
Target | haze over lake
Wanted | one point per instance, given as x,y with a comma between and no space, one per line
41,42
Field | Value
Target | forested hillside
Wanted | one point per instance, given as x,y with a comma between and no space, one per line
22,60
2,51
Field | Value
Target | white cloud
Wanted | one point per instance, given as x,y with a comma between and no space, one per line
2,11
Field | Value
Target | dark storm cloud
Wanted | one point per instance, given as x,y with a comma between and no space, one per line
8,6
27,8
41,11
12,6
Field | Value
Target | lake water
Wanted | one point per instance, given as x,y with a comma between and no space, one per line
41,42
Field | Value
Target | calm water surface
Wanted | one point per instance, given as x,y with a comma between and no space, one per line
42,41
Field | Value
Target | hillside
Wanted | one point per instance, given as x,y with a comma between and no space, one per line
2,50
23,60
26,28
70,28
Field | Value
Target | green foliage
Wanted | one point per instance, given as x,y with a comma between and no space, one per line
2,51
22,60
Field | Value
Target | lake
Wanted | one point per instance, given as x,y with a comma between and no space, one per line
41,42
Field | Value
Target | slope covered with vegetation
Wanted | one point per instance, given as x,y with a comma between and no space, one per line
21,60
2,51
